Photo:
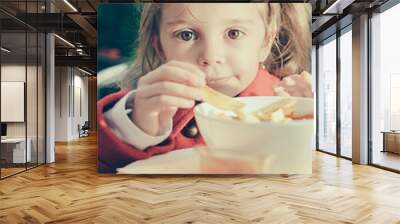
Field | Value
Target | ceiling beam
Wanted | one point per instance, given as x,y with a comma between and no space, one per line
44,22
81,21
337,7
82,61
86,26
319,23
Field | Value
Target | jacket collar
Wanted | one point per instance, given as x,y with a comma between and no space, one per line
262,85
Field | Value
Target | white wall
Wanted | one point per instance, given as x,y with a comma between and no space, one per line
13,72
70,83
61,103
81,82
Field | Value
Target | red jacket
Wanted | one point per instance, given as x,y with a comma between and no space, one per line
114,153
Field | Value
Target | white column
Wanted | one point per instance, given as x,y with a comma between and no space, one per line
50,93
360,90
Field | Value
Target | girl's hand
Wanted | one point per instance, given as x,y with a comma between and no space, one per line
295,85
162,91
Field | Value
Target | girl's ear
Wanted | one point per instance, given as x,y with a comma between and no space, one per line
157,47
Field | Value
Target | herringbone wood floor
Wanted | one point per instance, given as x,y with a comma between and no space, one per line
71,191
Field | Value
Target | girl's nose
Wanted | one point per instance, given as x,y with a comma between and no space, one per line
211,55
207,62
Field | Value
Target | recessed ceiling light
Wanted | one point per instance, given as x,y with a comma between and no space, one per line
338,6
65,41
5,50
84,71
70,5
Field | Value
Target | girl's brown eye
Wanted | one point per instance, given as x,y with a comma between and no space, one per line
186,35
234,34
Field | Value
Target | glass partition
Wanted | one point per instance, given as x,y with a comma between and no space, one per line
14,151
22,77
327,96
32,87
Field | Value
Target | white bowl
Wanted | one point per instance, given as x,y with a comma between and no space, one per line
284,147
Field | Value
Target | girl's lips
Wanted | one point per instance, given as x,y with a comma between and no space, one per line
217,80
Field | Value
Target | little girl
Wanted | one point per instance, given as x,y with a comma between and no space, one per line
232,48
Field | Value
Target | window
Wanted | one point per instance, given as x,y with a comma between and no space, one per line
394,102
327,96
346,93
385,86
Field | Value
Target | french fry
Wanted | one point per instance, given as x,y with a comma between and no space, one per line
286,105
247,117
280,111
301,117
277,116
220,100
227,117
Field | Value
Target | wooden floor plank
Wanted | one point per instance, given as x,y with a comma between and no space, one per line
71,191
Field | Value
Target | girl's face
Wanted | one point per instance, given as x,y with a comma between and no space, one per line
226,41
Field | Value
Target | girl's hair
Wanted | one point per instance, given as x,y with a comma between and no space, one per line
287,24
291,50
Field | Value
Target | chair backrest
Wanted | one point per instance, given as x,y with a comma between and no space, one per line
86,125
